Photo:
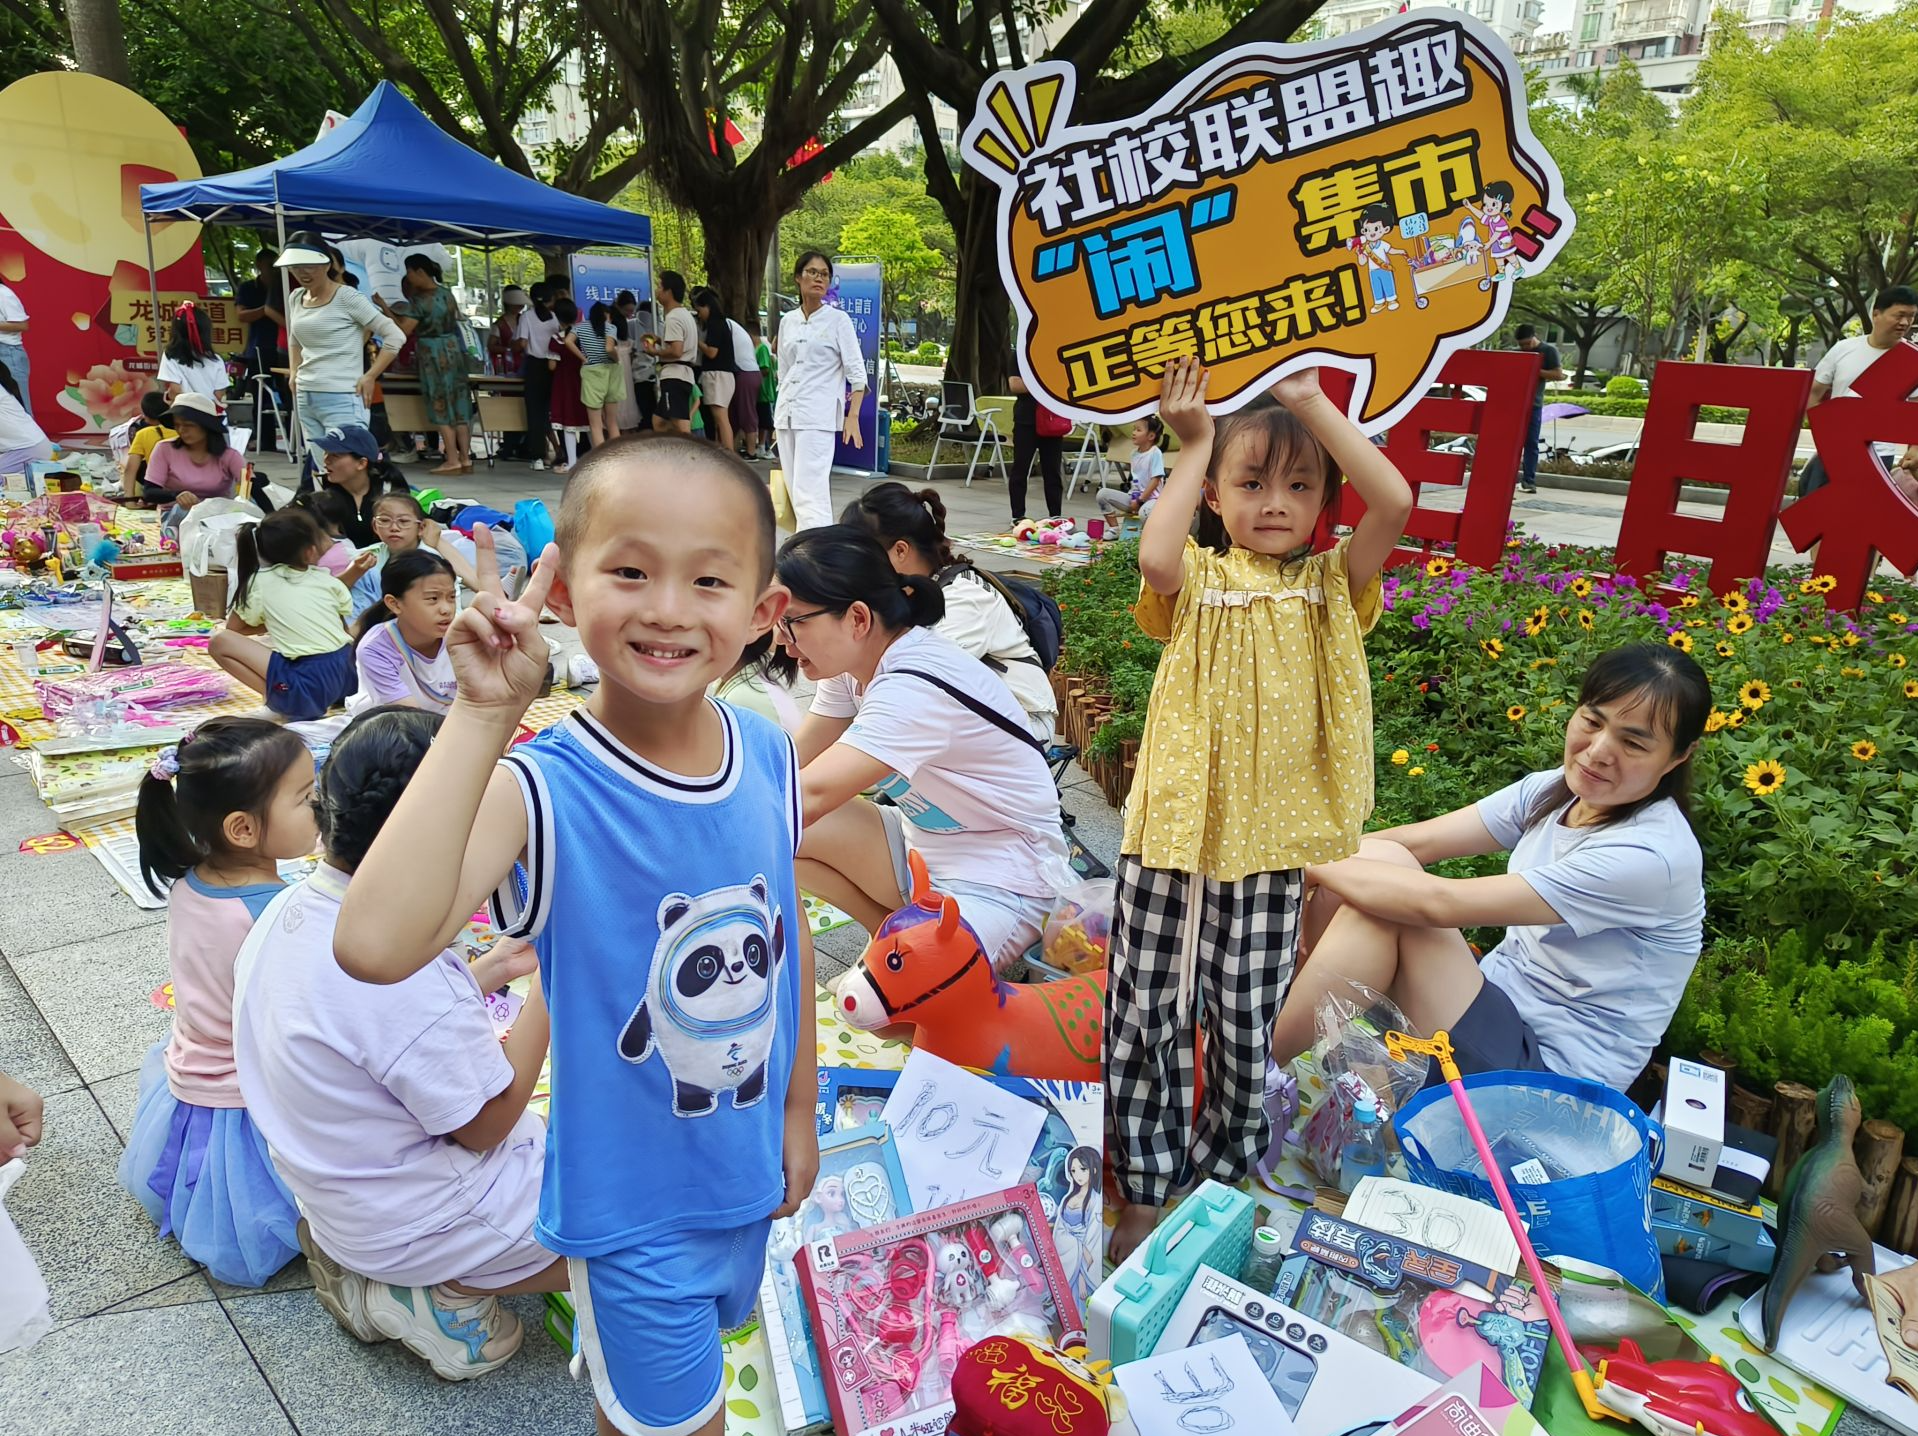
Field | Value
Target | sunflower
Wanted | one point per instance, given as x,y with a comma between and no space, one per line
1911,688
1726,650
1538,663
1805,586
1680,640
1535,625
1401,757
1739,623
1824,583
1714,720
1896,660
1851,639
1897,618
1491,647
1821,639
1755,694
1850,672
1765,777
1864,750
1581,588
1415,772
1585,619
1734,601
1785,638
1515,712
1437,567
1874,595
1737,719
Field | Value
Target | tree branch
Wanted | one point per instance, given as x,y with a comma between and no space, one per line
1268,22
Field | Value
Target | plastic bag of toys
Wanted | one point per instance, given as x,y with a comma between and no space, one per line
1080,928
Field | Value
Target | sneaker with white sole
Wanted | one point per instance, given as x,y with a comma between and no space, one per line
341,1292
460,1336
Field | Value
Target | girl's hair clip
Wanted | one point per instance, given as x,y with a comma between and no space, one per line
166,765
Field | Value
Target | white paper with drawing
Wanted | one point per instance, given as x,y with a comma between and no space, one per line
958,1135
1442,1221
1213,1389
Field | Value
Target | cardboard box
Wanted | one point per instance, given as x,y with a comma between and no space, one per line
1707,1213
1683,1241
1694,1118
209,593
137,568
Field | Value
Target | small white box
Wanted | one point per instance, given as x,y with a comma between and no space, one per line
1694,1120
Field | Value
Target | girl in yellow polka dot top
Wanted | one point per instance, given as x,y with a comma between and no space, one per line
1256,760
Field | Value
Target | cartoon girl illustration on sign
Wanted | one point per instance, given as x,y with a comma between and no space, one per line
1079,1228
1494,211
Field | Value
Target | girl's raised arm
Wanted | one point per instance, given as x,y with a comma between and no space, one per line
1162,544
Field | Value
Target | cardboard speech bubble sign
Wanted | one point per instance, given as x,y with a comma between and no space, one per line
1362,203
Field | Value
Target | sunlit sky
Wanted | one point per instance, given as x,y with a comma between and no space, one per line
1558,16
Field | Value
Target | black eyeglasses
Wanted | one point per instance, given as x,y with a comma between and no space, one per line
815,274
793,620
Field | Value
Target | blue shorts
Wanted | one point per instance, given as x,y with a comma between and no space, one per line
301,689
649,1320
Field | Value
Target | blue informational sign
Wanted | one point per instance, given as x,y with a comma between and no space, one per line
858,288
599,277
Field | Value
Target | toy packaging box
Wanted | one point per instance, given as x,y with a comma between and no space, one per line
1065,1164
895,1306
1473,1403
1212,1227
1423,1309
859,1185
1680,1240
1677,1205
1328,1383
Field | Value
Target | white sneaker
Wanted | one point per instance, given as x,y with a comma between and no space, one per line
458,1335
341,1292
539,465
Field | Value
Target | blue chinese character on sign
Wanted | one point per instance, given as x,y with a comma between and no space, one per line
1141,260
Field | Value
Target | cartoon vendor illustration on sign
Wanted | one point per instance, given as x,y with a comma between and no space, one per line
1276,210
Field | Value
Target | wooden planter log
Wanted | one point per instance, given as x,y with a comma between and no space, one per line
1879,1149
1899,1231
1749,1109
1794,1117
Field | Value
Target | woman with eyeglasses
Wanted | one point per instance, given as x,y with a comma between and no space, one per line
903,709
819,362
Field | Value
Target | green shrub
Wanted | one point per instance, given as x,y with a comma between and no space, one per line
1623,386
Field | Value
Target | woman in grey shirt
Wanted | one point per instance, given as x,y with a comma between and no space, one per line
327,327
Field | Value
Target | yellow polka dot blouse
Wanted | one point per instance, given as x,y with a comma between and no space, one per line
1257,752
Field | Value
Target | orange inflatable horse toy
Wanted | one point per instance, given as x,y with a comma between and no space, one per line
925,966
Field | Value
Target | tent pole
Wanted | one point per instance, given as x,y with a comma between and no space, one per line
293,435
153,287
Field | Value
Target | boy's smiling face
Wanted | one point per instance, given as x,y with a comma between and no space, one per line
1372,231
667,583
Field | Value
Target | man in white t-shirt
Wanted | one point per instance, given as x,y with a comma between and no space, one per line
13,343
1892,313
674,347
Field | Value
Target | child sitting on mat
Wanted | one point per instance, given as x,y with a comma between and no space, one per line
216,814
284,593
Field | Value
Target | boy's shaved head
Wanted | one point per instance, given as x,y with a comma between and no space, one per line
700,462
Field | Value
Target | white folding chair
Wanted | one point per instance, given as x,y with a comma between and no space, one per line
265,397
957,415
1090,451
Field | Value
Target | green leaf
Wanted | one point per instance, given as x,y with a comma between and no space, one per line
748,1377
744,1409
1787,1393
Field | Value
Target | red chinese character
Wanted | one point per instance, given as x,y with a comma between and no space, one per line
1753,471
1859,515
1510,379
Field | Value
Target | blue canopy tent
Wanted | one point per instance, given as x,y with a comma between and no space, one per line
387,172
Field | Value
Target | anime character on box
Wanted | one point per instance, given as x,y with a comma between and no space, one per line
1078,1226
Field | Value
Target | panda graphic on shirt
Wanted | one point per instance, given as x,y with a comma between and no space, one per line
711,1000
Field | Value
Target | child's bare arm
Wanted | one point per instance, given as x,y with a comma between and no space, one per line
460,823
525,1052
802,1133
1388,498
1162,545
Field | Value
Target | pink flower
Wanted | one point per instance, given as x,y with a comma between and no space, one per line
108,395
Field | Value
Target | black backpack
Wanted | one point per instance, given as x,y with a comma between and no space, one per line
1037,611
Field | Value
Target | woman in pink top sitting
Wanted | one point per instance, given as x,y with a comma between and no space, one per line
200,463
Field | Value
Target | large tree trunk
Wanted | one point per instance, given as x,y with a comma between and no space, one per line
981,350
99,43
737,241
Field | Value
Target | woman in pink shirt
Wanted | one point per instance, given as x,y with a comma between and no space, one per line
216,815
199,464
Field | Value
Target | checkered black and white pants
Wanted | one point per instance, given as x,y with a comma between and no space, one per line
1243,954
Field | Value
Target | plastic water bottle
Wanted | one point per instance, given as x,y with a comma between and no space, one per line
1262,1262
1364,1152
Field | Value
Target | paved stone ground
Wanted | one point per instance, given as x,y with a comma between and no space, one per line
147,1344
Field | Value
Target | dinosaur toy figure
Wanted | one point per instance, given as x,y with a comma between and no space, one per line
925,967
1819,1216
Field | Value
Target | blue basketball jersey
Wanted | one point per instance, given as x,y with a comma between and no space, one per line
665,916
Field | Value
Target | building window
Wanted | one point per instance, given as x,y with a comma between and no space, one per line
536,132
948,135
1588,26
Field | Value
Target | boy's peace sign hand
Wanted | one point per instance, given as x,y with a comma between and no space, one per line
498,654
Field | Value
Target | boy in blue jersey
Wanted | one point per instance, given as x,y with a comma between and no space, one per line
656,829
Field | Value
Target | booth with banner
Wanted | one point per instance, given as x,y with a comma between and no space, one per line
387,172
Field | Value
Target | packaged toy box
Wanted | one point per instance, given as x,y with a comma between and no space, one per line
859,1185
895,1306
1423,1309
1212,1227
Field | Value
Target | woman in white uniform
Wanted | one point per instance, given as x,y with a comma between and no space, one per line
819,361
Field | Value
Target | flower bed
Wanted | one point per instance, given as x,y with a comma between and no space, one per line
1806,791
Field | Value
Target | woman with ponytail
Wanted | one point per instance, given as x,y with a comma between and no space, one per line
904,709
216,816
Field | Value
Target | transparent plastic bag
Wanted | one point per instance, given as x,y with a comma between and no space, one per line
1352,1022
209,534
24,1317
1079,931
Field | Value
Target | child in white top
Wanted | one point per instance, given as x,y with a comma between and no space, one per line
1148,472
216,815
